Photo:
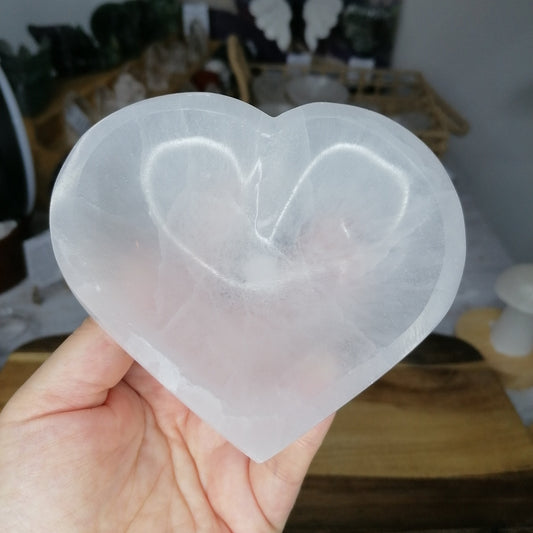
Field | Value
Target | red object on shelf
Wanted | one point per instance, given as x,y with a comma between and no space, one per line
205,79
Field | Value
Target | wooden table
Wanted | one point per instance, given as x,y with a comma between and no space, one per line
427,446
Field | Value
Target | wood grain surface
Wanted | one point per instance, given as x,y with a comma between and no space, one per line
18,368
488,504
428,446
427,422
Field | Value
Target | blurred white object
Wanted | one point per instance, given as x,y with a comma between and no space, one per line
221,69
23,320
125,91
296,62
13,323
195,17
128,90
314,88
522,401
104,102
176,60
156,58
359,62
264,270
79,117
512,333
273,18
195,14
161,61
320,17
197,43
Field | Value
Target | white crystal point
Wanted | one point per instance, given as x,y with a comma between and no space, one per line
265,270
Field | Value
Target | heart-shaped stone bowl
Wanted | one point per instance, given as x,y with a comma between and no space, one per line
264,270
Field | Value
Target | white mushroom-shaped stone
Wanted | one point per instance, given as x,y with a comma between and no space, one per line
512,333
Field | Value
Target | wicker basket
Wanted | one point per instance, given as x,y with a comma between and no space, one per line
402,95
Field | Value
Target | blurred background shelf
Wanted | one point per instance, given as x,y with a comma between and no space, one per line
47,131
403,95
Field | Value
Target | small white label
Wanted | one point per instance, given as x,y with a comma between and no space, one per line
299,60
40,261
361,62
354,63
197,11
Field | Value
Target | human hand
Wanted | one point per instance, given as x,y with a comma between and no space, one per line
93,443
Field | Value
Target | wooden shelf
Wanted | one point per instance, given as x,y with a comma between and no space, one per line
47,131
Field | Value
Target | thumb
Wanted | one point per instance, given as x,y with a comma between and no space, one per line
78,375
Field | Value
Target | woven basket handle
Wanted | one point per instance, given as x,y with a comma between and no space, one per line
239,67
454,122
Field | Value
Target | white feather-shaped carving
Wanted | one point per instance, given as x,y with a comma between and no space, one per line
273,18
319,17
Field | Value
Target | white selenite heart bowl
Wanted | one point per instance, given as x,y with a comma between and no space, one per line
264,270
